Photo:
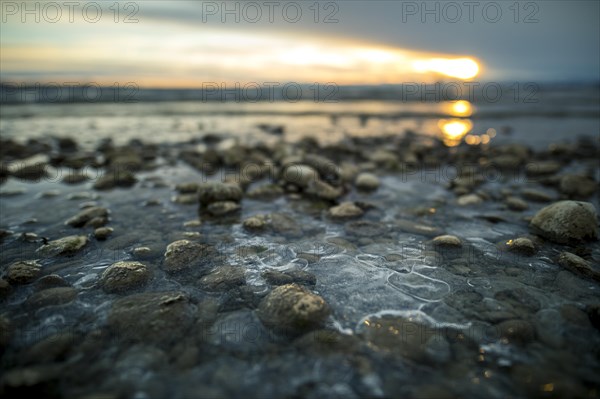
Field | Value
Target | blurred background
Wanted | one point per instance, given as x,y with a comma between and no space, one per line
332,67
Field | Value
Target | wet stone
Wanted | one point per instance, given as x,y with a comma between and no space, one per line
275,277
217,192
74,177
123,276
345,210
50,281
115,179
185,199
566,222
102,233
418,228
187,188
183,254
406,338
293,309
255,223
532,194
52,297
221,208
578,265
223,278
469,199
542,168
23,272
285,225
142,252
322,190
522,246
447,241
367,182
516,204
266,191
63,246
577,186
151,317
300,175
86,215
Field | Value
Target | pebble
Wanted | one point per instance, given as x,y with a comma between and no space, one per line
345,210
86,215
184,254
542,168
566,222
223,278
521,245
516,204
577,186
216,192
23,272
469,199
222,208
65,245
532,194
293,309
52,297
112,179
300,175
418,228
102,233
578,265
151,317
185,199
142,252
123,276
255,223
367,182
266,191
447,241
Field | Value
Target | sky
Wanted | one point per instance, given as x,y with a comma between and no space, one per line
190,43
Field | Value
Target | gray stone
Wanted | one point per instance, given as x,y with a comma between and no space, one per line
223,278
115,178
102,233
216,192
521,245
532,194
345,210
300,175
447,241
23,272
293,309
577,186
184,254
516,204
52,297
222,208
578,265
367,182
65,245
151,317
86,215
255,223
123,276
566,222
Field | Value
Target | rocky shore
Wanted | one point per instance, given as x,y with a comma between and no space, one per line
372,267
